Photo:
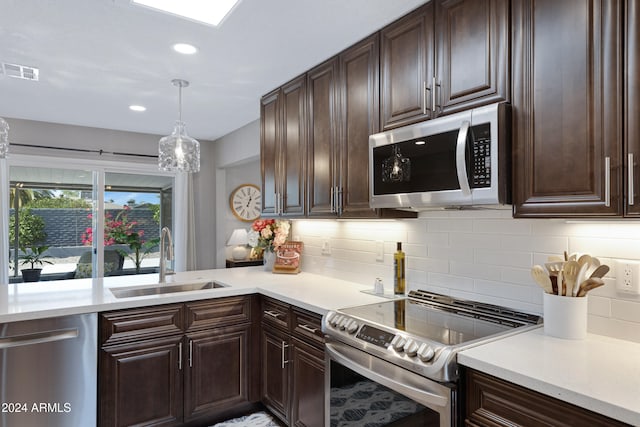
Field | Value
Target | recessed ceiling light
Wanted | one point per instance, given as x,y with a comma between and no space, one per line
185,48
208,12
137,108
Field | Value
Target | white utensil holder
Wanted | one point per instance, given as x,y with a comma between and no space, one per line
565,317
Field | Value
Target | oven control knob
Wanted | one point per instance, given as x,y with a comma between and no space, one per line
411,348
352,326
335,320
343,323
426,352
398,343
330,316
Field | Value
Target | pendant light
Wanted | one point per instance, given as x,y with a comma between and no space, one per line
178,151
4,138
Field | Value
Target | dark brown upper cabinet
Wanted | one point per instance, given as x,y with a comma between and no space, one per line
359,106
283,143
447,56
322,149
632,108
567,108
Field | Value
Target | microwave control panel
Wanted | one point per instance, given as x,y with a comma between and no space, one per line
481,176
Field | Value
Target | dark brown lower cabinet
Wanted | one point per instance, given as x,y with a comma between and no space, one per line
293,383
307,384
493,402
181,364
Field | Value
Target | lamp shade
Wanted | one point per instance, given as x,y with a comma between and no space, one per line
238,237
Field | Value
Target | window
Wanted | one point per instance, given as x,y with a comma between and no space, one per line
64,220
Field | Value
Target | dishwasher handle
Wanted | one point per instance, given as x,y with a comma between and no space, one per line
38,338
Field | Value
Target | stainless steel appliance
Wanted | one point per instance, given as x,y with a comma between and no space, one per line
395,361
48,372
463,159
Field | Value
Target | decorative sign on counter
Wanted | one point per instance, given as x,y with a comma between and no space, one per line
288,258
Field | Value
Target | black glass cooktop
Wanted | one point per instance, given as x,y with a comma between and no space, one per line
447,321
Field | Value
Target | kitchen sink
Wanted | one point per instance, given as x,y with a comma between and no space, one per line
163,288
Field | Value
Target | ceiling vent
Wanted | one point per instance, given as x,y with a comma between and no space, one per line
20,71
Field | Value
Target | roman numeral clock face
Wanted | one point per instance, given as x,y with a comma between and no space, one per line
246,202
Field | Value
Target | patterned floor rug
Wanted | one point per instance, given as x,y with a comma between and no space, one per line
258,419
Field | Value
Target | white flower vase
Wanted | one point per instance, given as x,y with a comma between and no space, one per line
269,259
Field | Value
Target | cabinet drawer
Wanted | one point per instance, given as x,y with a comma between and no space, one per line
307,326
219,312
136,324
275,313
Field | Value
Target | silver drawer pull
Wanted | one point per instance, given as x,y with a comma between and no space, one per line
309,329
284,346
180,356
273,314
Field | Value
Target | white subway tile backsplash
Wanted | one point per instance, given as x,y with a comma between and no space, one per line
479,255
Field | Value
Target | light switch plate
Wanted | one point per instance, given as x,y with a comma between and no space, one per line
379,250
326,247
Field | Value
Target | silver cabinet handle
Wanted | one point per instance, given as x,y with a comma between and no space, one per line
332,201
433,97
281,203
309,329
38,338
273,314
191,353
339,200
630,189
180,356
284,346
275,203
424,97
461,165
607,181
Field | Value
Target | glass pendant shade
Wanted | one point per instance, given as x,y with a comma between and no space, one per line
178,151
4,138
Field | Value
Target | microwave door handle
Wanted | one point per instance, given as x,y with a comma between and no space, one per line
461,165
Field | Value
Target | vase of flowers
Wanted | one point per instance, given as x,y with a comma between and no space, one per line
267,235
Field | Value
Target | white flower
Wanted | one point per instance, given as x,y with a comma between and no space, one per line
253,237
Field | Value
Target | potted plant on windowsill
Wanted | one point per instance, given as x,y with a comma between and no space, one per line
34,256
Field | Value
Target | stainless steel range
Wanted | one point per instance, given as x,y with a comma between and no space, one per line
402,354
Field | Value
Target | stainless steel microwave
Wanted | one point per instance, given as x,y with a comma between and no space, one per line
463,159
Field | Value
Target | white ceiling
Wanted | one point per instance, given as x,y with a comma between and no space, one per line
97,57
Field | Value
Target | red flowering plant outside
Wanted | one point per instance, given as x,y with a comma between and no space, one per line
120,230
268,234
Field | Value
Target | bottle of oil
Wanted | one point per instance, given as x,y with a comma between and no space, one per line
399,271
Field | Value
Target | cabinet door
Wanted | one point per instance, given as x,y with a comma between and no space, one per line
323,139
359,79
141,383
492,402
472,53
275,371
216,371
567,108
269,135
308,385
293,147
632,108
406,69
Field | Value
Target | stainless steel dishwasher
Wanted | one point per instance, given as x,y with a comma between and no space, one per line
48,372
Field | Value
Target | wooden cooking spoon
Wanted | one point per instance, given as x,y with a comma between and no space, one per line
541,277
589,284
570,273
600,271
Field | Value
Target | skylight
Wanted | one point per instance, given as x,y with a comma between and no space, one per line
208,12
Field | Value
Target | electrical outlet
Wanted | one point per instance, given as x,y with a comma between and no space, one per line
379,250
326,248
628,276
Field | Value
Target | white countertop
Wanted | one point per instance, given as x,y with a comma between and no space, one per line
599,373
313,292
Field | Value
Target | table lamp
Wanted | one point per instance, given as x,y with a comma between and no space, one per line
238,239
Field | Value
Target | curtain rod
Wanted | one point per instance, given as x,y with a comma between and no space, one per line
84,150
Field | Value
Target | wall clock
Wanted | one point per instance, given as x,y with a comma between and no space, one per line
246,202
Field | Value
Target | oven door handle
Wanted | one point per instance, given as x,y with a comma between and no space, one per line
461,164
420,396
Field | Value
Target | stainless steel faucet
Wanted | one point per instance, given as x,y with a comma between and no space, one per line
164,257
